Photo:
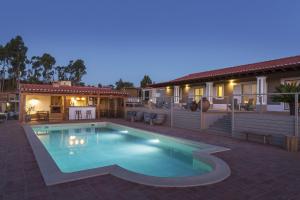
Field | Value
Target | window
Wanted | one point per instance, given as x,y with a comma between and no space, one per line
220,91
198,92
249,92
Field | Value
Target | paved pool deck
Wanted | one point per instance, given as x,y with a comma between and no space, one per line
258,172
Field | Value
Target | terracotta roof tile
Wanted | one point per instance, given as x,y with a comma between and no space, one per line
248,68
46,88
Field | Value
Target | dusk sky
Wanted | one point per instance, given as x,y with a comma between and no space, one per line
162,38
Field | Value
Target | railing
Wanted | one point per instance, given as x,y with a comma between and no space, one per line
238,106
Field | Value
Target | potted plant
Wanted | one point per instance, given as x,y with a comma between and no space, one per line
29,109
291,142
287,98
205,104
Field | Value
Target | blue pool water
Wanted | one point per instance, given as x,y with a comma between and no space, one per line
87,146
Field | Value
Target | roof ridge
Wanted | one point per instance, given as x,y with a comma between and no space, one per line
240,66
243,68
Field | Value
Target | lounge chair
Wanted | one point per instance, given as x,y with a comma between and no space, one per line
159,119
130,115
148,117
139,116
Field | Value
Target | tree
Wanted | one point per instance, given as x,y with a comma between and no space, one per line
120,84
146,81
61,73
16,51
99,85
287,98
4,60
76,70
47,62
35,73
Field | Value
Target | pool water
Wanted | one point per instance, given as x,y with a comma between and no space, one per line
88,146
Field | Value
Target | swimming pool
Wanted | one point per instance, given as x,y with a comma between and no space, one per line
133,154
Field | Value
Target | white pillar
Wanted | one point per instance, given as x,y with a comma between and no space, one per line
153,95
261,88
176,93
209,91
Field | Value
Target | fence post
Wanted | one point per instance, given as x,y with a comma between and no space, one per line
201,118
232,116
260,103
296,114
172,106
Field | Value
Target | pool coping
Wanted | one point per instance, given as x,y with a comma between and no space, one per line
52,174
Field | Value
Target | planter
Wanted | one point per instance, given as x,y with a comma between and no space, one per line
292,108
193,106
205,104
292,143
27,118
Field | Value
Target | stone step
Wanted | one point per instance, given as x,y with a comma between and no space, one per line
222,126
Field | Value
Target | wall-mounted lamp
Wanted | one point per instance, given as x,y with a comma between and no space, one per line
232,83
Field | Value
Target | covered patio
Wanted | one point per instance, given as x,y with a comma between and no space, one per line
64,102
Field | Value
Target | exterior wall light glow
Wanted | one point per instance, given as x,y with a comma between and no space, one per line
232,83
33,102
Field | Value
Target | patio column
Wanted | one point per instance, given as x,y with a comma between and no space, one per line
64,107
22,111
115,107
209,91
153,95
176,93
261,88
98,108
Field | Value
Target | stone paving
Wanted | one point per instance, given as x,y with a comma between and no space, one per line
258,172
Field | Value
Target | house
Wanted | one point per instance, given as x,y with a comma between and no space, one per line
247,83
9,101
62,101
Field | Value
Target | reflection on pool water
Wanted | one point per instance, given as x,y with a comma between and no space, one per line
75,148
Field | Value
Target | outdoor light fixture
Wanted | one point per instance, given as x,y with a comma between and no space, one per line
154,141
232,83
187,87
125,131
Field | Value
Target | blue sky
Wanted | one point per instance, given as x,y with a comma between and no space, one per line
162,38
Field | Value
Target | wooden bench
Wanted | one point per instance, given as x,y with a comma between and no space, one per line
266,136
42,115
